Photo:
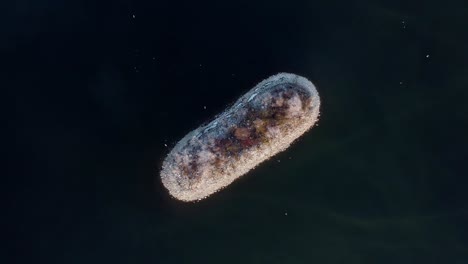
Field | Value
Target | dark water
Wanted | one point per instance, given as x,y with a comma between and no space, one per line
93,94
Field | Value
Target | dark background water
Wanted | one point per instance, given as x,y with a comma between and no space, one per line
94,91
